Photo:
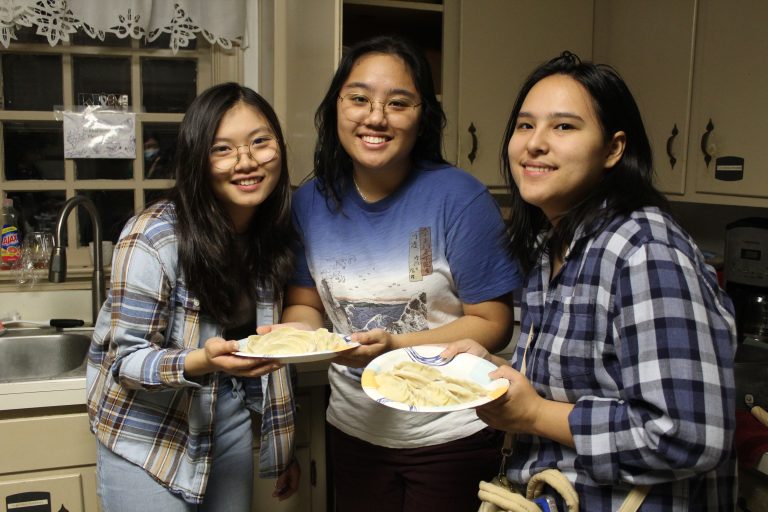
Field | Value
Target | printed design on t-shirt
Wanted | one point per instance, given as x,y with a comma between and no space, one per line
396,316
420,254
366,295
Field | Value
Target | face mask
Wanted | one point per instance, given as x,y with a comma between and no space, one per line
149,154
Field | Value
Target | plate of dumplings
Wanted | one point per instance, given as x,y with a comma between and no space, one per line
417,379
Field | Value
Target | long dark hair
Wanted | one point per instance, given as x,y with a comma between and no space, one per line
332,165
627,187
215,269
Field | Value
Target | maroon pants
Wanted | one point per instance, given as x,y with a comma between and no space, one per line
442,477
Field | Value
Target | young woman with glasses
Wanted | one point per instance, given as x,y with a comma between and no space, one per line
626,337
399,248
168,401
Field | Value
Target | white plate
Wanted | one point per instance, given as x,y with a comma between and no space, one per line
305,357
463,366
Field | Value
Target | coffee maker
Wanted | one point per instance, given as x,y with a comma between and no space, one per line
746,276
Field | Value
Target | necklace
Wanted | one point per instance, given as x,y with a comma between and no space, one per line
360,192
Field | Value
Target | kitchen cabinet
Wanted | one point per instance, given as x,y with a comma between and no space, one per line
650,44
730,82
48,458
501,42
49,455
693,67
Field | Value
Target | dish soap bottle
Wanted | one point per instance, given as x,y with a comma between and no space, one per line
10,247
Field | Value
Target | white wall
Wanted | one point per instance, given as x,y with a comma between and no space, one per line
44,305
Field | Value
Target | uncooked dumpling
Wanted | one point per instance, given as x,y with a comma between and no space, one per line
421,385
287,340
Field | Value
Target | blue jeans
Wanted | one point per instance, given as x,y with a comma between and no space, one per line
125,487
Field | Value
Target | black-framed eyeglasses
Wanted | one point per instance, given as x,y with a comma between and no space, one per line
356,107
261,150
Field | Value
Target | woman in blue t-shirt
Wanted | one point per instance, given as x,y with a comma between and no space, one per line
399,248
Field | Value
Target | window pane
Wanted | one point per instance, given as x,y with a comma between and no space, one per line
168,85
34,150
81,38
115,207
159,148
103,169
152,195
31,82
38,210
101,75
164,42
29,35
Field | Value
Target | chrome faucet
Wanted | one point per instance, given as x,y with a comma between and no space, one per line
58,267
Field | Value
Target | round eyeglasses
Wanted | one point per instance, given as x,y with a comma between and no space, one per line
261,150
356,107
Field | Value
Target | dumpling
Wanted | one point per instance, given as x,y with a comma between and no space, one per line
288,340
421,385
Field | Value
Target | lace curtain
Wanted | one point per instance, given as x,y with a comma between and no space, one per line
221,22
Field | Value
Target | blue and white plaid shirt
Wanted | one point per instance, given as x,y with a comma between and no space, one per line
635,332
140,404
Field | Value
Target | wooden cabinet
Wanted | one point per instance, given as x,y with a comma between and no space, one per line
501,42
687,62
730,81
50,460
650,44
71,489
299,48
695,69
49,457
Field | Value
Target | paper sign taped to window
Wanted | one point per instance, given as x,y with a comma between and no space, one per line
95,133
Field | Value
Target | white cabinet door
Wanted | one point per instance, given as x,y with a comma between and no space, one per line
46,490
650,43
299,502
310,453
300,42
501,42
731,91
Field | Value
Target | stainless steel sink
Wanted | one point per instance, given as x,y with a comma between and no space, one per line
43,356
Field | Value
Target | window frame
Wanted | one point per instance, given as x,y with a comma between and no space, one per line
214,65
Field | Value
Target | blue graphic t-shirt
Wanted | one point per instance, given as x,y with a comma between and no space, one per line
403,264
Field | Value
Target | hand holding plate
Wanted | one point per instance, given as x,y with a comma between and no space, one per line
467,346
372,344
515,411
220,355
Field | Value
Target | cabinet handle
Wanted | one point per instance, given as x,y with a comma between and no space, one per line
705,143
473,152
670,140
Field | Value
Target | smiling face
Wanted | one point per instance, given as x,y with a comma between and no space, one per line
558,151
244,185
380,142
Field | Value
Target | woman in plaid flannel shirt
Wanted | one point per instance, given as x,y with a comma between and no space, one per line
626,337
168,401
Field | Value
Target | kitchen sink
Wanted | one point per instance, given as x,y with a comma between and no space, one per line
43,356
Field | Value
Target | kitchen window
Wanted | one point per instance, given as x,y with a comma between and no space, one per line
39,82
